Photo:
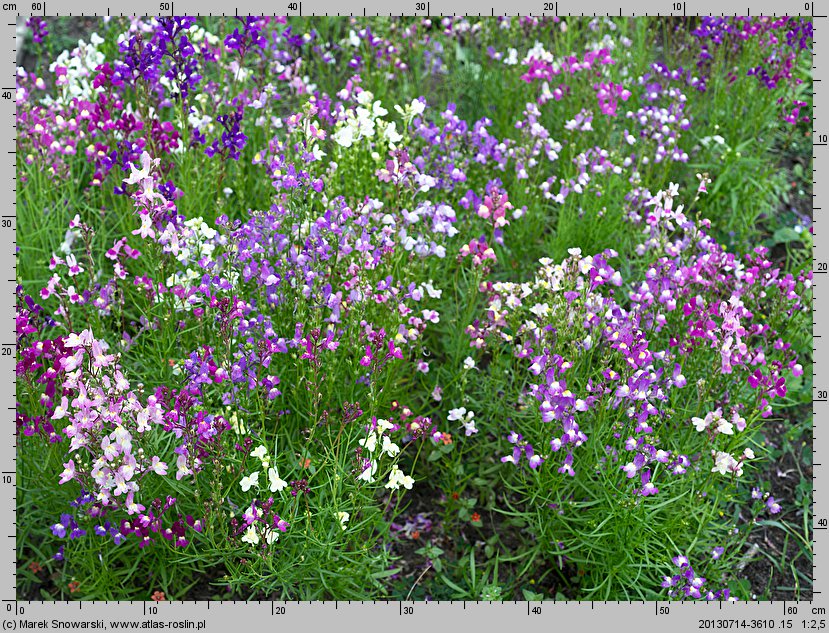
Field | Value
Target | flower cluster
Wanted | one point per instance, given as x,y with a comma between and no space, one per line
687,584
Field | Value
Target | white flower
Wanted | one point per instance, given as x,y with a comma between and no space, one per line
468,362
378,110
700,424
276,484
368,474
384,425
456,414
343,518
271,536
397,479
465,417
369,443
260,452
344,136
251,536
76,340
748,453
433,292
68,239
411,111
389,448
724,463
725,427
469,425
251,480
60,410
365,97
391,133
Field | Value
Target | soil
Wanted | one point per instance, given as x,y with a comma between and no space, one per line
777,581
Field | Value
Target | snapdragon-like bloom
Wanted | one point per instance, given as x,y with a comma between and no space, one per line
251,536
464,417
725,464
249,481
397,478
369,469
68,472
343,518
276,484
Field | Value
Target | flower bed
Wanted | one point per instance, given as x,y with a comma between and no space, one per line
434,308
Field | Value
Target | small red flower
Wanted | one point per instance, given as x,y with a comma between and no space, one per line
158,596
74,586
476,518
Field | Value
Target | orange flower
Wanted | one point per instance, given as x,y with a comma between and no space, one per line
476,518
306,463
73,586
416,534
447,438
35,567
158,596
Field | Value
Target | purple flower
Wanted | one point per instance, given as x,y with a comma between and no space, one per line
567,466
77,533
681,561
648,488
39,30
535,460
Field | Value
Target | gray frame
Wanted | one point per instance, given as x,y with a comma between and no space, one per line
407,616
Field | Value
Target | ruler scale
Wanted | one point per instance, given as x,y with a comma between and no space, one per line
412,616
8,235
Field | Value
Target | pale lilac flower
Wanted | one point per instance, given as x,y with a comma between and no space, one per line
68,472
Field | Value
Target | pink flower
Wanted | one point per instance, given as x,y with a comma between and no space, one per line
146,228
158,467
138,175
68,473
